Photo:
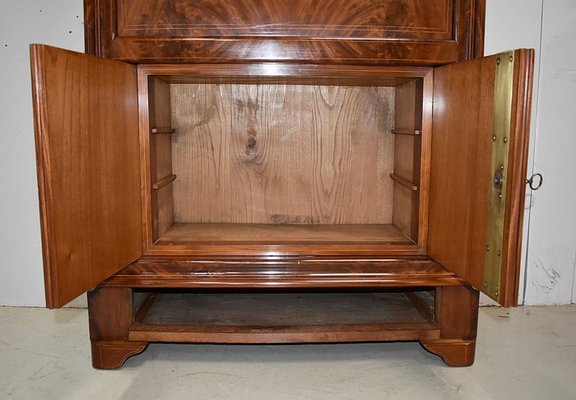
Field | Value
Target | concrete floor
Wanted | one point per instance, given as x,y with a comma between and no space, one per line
524,353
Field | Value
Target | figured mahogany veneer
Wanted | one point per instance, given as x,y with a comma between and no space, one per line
409,32
289,273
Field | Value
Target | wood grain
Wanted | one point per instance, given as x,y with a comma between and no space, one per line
163,182
337,31
110,316
273,309
282,317
283,233
460,175
160,119
421,222
403,208
519,141
113,354
454,352
408,117
457,316
404,182
220,272
86,124
333,33
280,75
461,172
282,18
282,154
296,334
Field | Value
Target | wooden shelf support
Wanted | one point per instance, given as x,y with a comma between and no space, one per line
163,182
404,182
406,132
159,131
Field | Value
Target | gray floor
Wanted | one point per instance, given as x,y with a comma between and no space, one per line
524,353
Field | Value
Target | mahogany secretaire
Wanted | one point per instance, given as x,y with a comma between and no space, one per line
281,171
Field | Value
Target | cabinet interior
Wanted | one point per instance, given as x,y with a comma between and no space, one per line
285,159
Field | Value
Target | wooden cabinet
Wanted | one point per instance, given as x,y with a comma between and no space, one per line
281,173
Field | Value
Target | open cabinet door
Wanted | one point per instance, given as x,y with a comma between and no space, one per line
86,123
481,115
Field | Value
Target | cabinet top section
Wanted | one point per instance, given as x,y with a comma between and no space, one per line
398,32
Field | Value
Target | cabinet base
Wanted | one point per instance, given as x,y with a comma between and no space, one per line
455,353
123,320
113,354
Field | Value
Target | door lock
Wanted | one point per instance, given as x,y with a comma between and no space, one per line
498,179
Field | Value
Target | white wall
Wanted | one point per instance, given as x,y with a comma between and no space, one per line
552,244
56,22
526,16
550,223
510,24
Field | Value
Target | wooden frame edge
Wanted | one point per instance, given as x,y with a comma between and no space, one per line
520,125
42,164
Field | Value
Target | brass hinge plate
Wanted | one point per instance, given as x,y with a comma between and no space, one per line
503,86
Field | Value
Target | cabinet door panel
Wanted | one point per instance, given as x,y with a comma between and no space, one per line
475,107
86,124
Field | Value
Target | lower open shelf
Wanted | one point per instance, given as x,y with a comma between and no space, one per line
272,317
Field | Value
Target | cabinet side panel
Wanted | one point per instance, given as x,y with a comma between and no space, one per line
88,168
160,155
90,26
407,156
477,34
